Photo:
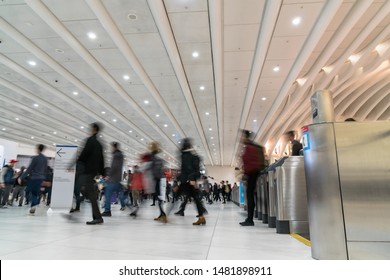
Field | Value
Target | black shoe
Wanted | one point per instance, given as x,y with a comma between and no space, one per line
179,213
95,222
152,204
133,214
122,208
106,214
74,210
247,223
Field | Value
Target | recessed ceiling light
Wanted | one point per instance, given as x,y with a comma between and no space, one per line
4,129
157,116
142,139
55,132
210,129
254,120
130,131
211,137
126,77
75,93
36,105
91,35
264,98
146,101
276,69
195,54
32,63
132,16
114,120
82,127
173,135
17,119
75,140
296,21
59,51
54,144
103,112
207,113
32,137
201,88
165,125
101,136
213,144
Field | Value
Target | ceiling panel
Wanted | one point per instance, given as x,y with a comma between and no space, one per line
243,11
181,6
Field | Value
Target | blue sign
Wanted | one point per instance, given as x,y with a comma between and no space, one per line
306,141
242,193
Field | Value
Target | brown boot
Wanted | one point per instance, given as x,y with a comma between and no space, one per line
201,221
162,218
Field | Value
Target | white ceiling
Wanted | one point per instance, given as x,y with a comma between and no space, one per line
340,45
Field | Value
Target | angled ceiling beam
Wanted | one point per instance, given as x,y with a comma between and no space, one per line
216,29
46,15
161,19
268,23
115,34
368,106
316,33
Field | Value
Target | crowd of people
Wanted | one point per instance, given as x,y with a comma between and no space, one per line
147,179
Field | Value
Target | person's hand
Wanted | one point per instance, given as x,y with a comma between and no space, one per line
193,183
2,186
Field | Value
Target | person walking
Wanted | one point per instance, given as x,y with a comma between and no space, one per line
20,187
114,180
190,172
91,164
37,173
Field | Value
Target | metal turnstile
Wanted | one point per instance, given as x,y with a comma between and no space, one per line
291,215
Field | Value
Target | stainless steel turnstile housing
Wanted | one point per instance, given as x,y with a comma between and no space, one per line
348,180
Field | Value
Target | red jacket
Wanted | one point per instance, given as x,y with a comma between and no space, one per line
253,158
137,182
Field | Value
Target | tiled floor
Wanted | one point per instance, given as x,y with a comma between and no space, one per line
56,236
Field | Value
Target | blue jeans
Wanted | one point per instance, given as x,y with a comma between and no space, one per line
108,191
35,186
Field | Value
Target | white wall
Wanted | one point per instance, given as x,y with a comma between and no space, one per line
225,173
12,149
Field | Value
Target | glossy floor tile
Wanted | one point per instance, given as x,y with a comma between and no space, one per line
62,236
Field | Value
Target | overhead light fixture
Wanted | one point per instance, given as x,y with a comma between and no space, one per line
264,98
327,69
32,63
173,135
132,16
296,21
82,127
36,105
142,139
91,35
201,88
254,120
101,136
126,77
59,51
130,131
195,54
157,116
75,93
55,132
211,137
210,129
114,120
17,119
103,112
207,113
276,68
3,129
146,101
165,125
301,81
75,140
381,48
354,58
32,137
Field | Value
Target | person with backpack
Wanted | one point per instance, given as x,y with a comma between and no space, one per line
7,180
190,172
253,163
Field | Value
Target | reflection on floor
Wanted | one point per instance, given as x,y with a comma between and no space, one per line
55,236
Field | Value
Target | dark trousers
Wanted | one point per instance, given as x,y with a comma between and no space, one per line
87,183
250,194
157,196
76,191
191,191
5,194
35,186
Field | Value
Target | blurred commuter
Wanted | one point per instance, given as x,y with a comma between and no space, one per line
7,180
37,173
157,169
190,172
47,185
20,187
136,189
91,162
114,179
253,163
296,146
